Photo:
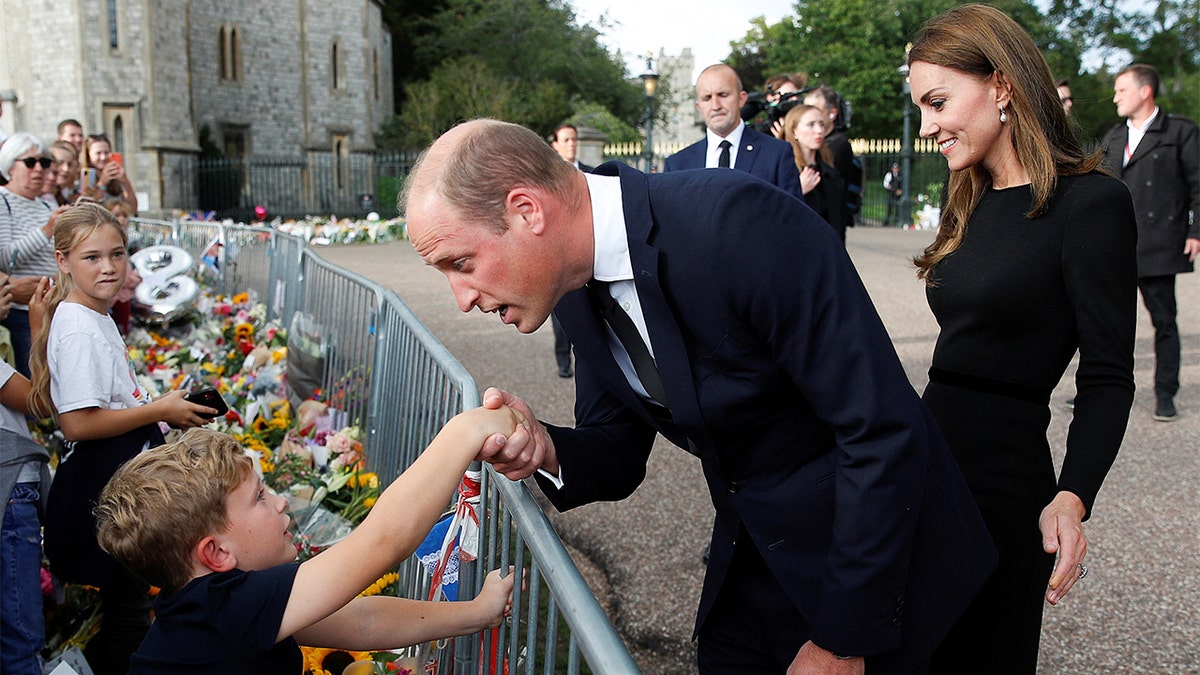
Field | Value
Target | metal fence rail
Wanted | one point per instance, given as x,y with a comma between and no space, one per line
392,378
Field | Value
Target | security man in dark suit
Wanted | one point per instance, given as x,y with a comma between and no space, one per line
845,535
565,142
728,142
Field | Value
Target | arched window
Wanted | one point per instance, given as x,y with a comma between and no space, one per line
113,41
229,58
375,71
337,78
235,54
223,52
118,137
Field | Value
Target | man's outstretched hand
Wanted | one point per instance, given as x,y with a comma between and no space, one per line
528,449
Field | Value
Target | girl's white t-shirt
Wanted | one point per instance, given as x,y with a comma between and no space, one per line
89,367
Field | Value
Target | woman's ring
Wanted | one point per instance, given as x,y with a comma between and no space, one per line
1082,571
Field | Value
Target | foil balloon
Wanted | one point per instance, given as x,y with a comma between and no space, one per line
164,289
260,213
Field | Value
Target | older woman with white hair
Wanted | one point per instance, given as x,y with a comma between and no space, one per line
26,232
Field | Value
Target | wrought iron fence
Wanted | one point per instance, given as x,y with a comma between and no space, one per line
317,184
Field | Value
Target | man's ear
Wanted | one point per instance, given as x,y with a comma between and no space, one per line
214,556
524,207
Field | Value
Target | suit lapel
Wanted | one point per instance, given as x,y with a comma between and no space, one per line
669,346
1150,140
748,151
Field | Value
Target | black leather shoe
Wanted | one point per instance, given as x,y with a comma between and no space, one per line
566,372
1165,410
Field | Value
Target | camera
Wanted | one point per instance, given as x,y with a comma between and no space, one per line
757,102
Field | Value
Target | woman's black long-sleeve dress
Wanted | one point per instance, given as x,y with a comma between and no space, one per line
1014,302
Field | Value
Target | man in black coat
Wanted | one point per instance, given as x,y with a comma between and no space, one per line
1158,157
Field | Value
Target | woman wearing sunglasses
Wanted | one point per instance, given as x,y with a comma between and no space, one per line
26,229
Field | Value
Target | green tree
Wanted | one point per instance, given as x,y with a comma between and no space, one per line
531,52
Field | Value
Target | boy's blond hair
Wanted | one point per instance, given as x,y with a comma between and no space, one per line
160,504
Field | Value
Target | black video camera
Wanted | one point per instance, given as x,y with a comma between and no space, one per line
757,103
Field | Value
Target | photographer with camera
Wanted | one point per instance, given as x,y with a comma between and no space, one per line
782,93
728,143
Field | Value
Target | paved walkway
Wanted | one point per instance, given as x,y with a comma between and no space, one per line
1137,612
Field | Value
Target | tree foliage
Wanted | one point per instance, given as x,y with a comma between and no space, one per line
525,61
856,46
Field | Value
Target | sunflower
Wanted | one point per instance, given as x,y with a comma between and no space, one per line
322,661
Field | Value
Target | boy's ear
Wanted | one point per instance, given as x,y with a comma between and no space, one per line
212,555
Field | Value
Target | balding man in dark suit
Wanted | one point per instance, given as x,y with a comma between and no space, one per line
728,142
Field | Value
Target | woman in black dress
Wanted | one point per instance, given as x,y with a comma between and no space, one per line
1034,259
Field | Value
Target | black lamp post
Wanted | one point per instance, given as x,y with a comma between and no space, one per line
906,150
650,87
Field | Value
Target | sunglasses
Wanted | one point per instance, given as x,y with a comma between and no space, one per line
31,161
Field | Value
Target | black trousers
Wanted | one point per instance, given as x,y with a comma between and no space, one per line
562,346
752,628
1158,294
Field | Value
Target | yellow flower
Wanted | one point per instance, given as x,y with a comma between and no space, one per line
278,355
315,658
211,368
369,502
380,584
241,298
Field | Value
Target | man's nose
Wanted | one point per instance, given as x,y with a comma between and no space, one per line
464,295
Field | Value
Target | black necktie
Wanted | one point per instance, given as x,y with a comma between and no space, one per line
627,332
723,162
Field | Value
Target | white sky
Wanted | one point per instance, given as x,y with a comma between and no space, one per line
641,26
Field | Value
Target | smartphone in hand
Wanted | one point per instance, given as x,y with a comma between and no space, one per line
211,398
118,158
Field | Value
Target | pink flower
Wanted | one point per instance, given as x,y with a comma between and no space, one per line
338,442
47,582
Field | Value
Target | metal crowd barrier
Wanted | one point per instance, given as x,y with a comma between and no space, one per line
400,385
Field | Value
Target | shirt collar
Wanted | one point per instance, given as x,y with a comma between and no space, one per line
611,256
1145,125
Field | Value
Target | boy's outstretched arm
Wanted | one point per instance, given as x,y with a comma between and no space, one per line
396,525
380,623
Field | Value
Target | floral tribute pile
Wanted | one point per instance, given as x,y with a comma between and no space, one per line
310,455
328,230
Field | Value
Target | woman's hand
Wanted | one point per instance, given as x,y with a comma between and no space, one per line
5,296
48,228
810,178
1061,524
38,302
111,171
180,413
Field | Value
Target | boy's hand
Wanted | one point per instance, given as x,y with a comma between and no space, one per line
528,449
495,598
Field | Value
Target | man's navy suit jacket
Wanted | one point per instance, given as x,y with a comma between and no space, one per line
758,155
781,378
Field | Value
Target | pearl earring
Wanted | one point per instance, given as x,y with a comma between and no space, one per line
1003,116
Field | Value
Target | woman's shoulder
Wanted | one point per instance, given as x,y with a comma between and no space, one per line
1096,182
